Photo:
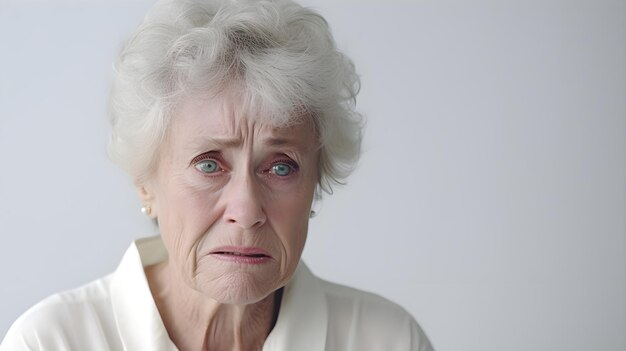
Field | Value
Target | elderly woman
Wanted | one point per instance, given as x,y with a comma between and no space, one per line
231,117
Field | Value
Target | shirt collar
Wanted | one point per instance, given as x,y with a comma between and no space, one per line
138,321
303,319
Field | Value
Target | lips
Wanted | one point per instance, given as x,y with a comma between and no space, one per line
249,255
241,251
239,254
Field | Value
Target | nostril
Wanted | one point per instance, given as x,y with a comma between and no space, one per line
247,223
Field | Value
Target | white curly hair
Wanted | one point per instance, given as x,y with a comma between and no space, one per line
280,55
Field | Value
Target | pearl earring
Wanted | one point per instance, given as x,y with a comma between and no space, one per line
146,210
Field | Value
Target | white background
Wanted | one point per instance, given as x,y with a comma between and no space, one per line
490,200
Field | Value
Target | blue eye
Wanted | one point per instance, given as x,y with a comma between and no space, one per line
282,169
208,166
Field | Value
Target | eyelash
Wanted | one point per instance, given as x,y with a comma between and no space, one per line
291,163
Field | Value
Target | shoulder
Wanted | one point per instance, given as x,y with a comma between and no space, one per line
73,319
347,298
361,320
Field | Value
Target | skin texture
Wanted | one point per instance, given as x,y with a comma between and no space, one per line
224,179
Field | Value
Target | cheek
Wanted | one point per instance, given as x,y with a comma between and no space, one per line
290,219
185,214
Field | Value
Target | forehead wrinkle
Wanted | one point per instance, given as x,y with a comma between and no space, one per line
234,136
296,136
284,144
218,126
221,123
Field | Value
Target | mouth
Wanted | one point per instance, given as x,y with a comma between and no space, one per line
245,255
234,253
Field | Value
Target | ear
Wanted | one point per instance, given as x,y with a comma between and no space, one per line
148,200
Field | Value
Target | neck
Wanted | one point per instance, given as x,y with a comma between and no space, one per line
197,322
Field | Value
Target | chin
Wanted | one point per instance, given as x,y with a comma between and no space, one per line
237,288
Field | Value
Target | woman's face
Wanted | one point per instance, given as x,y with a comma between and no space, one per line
233,199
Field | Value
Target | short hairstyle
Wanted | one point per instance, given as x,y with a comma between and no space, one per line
280,55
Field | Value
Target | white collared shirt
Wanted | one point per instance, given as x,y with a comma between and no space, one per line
117,312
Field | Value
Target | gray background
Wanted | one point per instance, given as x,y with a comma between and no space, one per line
491,196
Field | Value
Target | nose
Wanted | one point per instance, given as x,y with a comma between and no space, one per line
244,205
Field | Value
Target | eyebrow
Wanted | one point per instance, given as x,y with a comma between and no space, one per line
278,141
218,142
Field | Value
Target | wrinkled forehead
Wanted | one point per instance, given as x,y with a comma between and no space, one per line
229,117
229,111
